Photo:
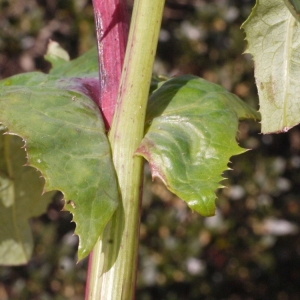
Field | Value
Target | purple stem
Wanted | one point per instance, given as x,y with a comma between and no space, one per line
112,24
111,21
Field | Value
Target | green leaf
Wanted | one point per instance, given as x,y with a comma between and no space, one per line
273,36
156,82
85,65
56,55
20,199
65,139
192,125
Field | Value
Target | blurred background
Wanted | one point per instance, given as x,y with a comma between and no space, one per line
251,248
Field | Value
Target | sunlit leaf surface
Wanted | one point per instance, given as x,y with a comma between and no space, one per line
65,139
192,125
273,36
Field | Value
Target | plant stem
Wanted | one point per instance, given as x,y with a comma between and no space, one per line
111,22
115,254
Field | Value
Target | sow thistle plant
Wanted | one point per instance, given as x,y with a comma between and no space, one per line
88,138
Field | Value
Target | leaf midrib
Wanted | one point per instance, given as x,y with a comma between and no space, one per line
287,58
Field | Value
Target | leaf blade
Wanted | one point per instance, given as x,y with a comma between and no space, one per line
273,40
20,199
185,142
64,136
85,65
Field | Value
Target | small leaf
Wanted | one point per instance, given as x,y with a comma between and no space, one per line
85,65
192,125
56,54
273,36
65,139
20,199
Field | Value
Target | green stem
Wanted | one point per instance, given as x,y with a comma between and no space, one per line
115,254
